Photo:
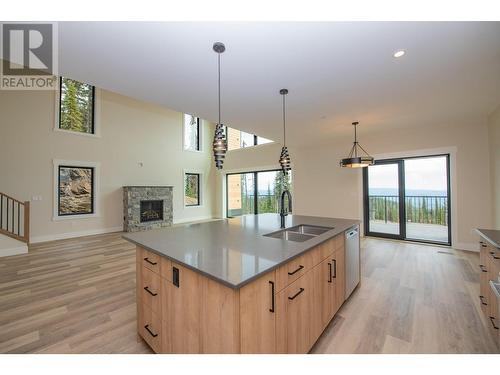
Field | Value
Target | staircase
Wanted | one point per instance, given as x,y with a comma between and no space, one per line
14,226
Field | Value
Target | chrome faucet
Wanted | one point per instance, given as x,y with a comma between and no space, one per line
284,212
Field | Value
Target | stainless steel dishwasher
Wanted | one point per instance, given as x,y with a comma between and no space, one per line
351,260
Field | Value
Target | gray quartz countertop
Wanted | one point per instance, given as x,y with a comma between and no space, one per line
234,251
490,235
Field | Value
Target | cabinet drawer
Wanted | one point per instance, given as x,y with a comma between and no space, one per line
151,261
150,289
291,271
150,327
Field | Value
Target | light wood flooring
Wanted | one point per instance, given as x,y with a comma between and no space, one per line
78,296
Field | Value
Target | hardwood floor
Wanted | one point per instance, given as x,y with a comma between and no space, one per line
78,296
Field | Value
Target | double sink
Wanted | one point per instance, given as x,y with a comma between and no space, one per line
299,233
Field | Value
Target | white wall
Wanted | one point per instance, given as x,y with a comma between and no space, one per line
494,137
132,132
322,188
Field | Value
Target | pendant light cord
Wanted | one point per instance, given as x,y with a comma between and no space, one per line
218,83
284,121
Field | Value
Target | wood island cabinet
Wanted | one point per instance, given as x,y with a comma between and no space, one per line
284,311
489,266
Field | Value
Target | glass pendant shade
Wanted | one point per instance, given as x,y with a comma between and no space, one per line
358,157
220,143
219,146
285,160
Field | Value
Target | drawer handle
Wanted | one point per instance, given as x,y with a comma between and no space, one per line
297,270
330,272
334,268
146,288
483,244
272,296
152,263
296,294
150,332
492,320
482,302
483,268
494,257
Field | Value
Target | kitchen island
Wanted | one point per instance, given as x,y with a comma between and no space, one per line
240,285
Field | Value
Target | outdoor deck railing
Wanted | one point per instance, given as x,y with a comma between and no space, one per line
423,209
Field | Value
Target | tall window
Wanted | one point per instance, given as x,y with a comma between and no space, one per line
76,106
191,133
75,190
191,189
237,139
255,192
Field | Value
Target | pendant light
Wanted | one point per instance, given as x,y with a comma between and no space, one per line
220,143
356,159
285,156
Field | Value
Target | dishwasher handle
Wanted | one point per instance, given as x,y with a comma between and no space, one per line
352,233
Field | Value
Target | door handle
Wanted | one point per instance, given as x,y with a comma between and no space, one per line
482,302
175,277
483,269
272,296
329,272
297,270
334,268
146,288
493,255
152,263
296,294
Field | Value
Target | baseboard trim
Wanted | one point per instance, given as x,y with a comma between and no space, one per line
466,246
63,236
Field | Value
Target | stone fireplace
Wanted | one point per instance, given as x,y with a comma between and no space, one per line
146,207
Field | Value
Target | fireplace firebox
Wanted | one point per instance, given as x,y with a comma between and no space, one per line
151,210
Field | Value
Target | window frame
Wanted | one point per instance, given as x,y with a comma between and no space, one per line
57,125
192,173
255,141
256,189
198,138
95,166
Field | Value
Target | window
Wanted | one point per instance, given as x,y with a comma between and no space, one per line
76,106
255,192
76,188
191,133
237,139
191,189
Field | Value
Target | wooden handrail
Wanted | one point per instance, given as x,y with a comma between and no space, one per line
8,208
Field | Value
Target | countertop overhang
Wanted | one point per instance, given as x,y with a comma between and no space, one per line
235,251
490,235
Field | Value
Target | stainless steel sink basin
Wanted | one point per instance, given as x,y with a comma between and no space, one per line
314,230
299,233
290,236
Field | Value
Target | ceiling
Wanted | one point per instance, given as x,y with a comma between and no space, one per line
336,72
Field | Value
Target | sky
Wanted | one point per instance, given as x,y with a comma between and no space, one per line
420,174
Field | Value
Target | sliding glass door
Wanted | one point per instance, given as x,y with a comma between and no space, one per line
254,192
416,189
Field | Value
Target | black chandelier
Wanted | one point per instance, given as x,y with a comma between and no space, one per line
284,156
220,143
355,158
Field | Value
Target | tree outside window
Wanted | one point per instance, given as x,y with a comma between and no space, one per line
76,106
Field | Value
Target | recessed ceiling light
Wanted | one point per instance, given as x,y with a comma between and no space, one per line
399,53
